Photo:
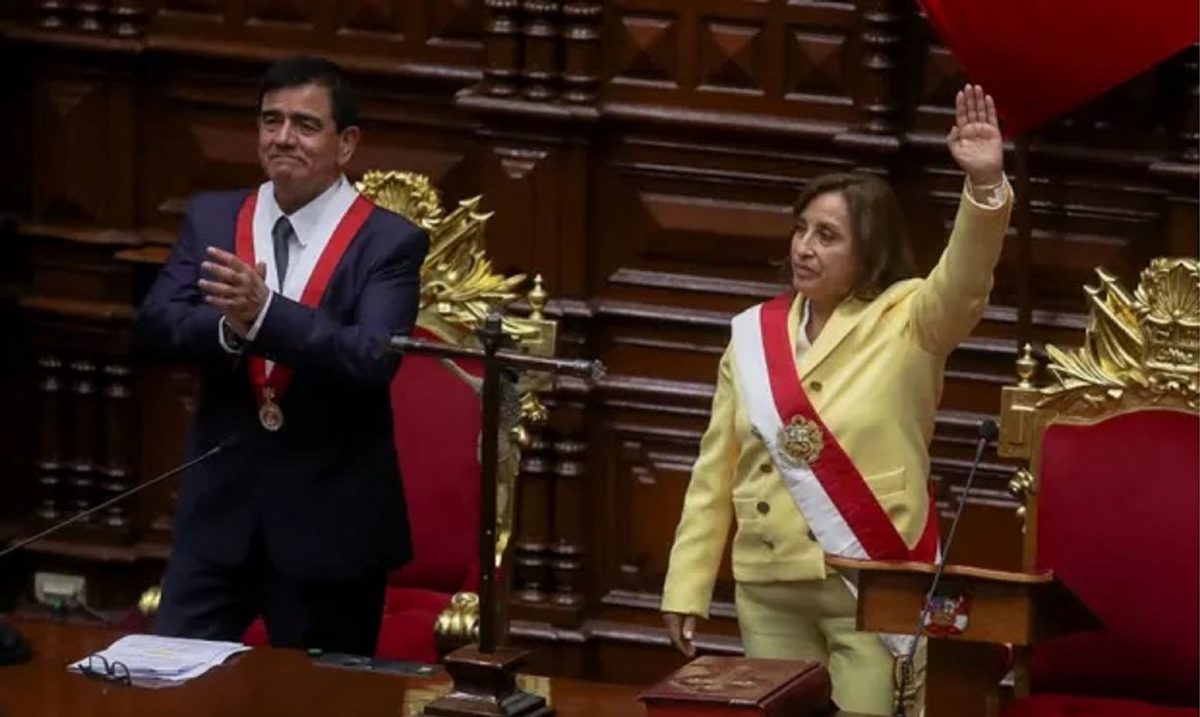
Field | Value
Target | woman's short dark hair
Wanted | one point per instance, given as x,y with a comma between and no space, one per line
876,225
306,70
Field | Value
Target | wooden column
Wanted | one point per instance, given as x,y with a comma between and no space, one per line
568,552
127,18
531,565
1189,132
50,14
581,50
118,426
81,437
503,45
89,15
877,76
1180,169
1023,219
49,459
542,50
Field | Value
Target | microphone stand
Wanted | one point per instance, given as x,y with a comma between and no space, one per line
116,499
988,431
484,674
14,649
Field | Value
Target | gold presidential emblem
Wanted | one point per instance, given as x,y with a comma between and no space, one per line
800,441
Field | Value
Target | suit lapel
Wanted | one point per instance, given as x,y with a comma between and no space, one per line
845,317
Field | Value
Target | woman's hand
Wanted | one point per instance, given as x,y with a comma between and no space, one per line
974,140
680,628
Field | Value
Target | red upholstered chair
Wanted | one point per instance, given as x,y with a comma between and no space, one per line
436,410
1111,501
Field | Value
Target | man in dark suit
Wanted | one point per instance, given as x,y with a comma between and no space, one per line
286,295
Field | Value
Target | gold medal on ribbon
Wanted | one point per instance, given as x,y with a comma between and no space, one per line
270,415
801,441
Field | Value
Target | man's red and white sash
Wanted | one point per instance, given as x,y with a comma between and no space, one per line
831,493
270,385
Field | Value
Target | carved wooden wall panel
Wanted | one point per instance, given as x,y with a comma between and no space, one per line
200,122
642,155
708,222
523,177
86,115
777,59
430,37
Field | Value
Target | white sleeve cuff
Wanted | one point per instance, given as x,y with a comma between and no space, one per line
222,332
989,196
262,314
230,341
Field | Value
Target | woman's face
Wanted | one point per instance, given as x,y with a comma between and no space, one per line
824,255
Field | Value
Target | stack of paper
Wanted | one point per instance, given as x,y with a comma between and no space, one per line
153,661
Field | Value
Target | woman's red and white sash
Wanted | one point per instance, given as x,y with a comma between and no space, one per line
831,493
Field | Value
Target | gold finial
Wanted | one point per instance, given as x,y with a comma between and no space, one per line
148,603
537,299
1026,366
1021,485
458,624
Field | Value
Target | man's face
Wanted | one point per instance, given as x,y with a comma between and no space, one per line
299,146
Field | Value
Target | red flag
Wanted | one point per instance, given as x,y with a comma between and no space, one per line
1041,58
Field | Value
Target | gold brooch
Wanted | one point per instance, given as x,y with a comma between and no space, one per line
801,441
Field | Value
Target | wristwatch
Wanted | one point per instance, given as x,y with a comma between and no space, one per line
232,340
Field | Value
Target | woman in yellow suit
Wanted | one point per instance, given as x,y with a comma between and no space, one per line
823,414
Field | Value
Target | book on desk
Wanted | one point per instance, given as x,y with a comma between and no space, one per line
741,687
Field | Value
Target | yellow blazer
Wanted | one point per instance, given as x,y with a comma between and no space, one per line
874,375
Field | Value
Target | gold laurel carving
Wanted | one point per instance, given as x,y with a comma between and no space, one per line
1142,347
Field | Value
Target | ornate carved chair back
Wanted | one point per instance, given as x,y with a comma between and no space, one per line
1112,487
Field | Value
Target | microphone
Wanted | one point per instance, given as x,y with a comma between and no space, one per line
14,648
988,432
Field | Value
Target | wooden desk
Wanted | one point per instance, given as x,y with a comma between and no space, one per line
260,683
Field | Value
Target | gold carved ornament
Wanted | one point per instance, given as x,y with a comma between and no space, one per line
1147,343
1140,351
458,288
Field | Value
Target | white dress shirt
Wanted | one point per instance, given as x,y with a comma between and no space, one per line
312,227
802,342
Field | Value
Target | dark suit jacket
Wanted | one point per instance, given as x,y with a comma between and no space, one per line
325,490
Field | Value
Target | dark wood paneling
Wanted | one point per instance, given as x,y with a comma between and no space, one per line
776,59
436,38
16,410
642,155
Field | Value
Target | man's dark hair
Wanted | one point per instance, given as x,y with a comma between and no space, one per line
305,70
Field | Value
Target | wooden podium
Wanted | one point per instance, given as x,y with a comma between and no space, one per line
983,610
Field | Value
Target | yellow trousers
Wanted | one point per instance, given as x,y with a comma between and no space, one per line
814,620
